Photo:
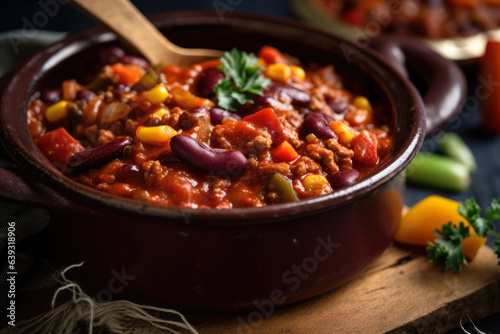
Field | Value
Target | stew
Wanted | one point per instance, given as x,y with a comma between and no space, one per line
242,131
432,19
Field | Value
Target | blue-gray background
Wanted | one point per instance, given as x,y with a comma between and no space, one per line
486,181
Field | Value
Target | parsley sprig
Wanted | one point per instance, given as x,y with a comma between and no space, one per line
448,248
245,80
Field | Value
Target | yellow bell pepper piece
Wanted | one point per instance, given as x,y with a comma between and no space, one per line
186,100
418,224
314,181
155,134
157,94
57,112
279,72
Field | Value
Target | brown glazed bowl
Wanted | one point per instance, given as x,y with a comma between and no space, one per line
238,258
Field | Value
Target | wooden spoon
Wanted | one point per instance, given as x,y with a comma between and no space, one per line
124,19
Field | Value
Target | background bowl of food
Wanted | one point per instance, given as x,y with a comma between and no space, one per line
458,30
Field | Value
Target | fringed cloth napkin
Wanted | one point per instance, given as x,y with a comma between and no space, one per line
83,314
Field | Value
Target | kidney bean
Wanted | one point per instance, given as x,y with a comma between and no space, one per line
207,159
338,106
109,56
316,123
298,96
128,173
134,60
119,89
85,95
97,156
51,96
260,102
129,168
199,111
344,178
207,81
218,114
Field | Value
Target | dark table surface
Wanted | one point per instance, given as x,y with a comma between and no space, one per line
60,16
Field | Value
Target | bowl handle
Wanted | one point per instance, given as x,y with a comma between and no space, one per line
21,187
16,187
440,82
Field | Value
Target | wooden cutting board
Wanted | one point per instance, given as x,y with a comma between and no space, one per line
401,292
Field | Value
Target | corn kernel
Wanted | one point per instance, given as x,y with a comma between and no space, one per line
155,134
160,112
57,111
314,181
311,138
298,72
342,131
157,94
279,72
362,102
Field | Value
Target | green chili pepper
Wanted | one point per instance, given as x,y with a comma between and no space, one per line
453,146
283,187
439,172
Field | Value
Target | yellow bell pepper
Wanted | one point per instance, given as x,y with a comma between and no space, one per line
418,224
186,100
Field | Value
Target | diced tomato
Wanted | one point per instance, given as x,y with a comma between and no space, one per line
267,119
128,73
272,55
58,146
364,146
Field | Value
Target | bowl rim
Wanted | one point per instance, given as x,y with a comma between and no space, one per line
29,157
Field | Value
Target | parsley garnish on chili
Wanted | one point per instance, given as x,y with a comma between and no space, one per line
245,80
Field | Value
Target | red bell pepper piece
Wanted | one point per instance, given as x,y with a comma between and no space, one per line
272,55
58,146
284,152
267,119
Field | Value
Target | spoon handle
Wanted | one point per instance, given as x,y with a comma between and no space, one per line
123,18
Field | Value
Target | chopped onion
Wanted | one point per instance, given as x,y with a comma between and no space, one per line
114,111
